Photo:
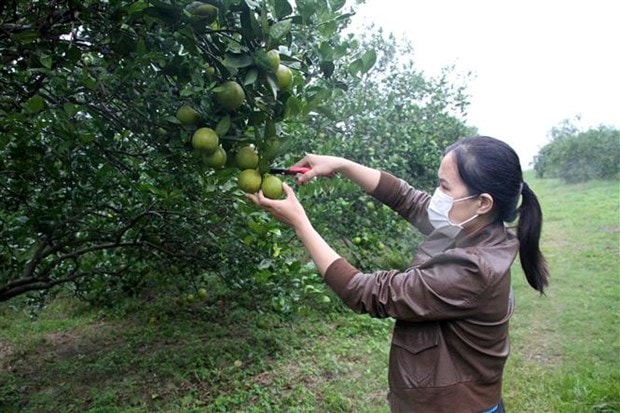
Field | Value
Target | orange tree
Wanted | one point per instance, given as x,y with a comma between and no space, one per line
102,190
393,117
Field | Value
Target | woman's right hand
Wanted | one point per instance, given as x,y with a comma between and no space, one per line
320,165
323,165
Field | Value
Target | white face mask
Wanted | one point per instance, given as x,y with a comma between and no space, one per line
439,210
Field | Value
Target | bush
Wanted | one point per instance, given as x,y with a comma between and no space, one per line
581,156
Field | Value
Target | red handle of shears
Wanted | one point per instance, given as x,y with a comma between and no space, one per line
299,169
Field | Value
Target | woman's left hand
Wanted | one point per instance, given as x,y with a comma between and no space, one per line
288,210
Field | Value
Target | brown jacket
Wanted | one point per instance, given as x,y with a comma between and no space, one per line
451,306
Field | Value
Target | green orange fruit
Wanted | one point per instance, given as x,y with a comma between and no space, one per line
207,12
205,140
187,115
230,95
273,58
217,159
246,158
267,61
249,181
284,77
272,187
210,71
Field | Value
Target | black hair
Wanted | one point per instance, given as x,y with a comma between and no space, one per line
488,165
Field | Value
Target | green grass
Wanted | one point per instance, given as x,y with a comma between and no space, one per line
157,355
566,345
207,357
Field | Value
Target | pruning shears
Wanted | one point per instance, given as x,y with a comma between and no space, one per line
294,170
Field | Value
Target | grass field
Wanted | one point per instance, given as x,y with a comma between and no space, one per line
154,355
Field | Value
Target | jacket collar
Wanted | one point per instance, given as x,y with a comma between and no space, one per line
491,234
438,241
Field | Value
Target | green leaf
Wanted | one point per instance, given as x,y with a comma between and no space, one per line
368,60
137,7
46,61
316,100
329,28
337,4
280,29
293,106
256,117
71,109
89,81
270,129
72,55
355,67
35,104
273,85
263,276
282,9
141,46
250,77
252,4
327,112
326,51
237,60
306,9
27,36
223,126
250,26
327,68
345,16
164,12
172,119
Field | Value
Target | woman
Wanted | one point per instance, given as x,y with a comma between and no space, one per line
453,303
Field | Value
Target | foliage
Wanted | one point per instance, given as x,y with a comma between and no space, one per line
576,156
102,191
99,184
395,118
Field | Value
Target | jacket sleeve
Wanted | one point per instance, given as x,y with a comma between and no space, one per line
443,288
404,199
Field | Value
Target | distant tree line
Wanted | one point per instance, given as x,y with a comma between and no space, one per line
579,156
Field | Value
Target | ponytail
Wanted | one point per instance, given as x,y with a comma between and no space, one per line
528,232
488,165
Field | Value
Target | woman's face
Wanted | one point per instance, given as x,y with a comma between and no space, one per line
451,184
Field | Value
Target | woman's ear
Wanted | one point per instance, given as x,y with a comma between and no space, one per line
485,204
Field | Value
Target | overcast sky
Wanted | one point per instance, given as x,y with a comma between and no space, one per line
536,62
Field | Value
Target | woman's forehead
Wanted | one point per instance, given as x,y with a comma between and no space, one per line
447,167
448,171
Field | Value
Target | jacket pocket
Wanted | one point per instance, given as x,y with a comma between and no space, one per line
414,355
